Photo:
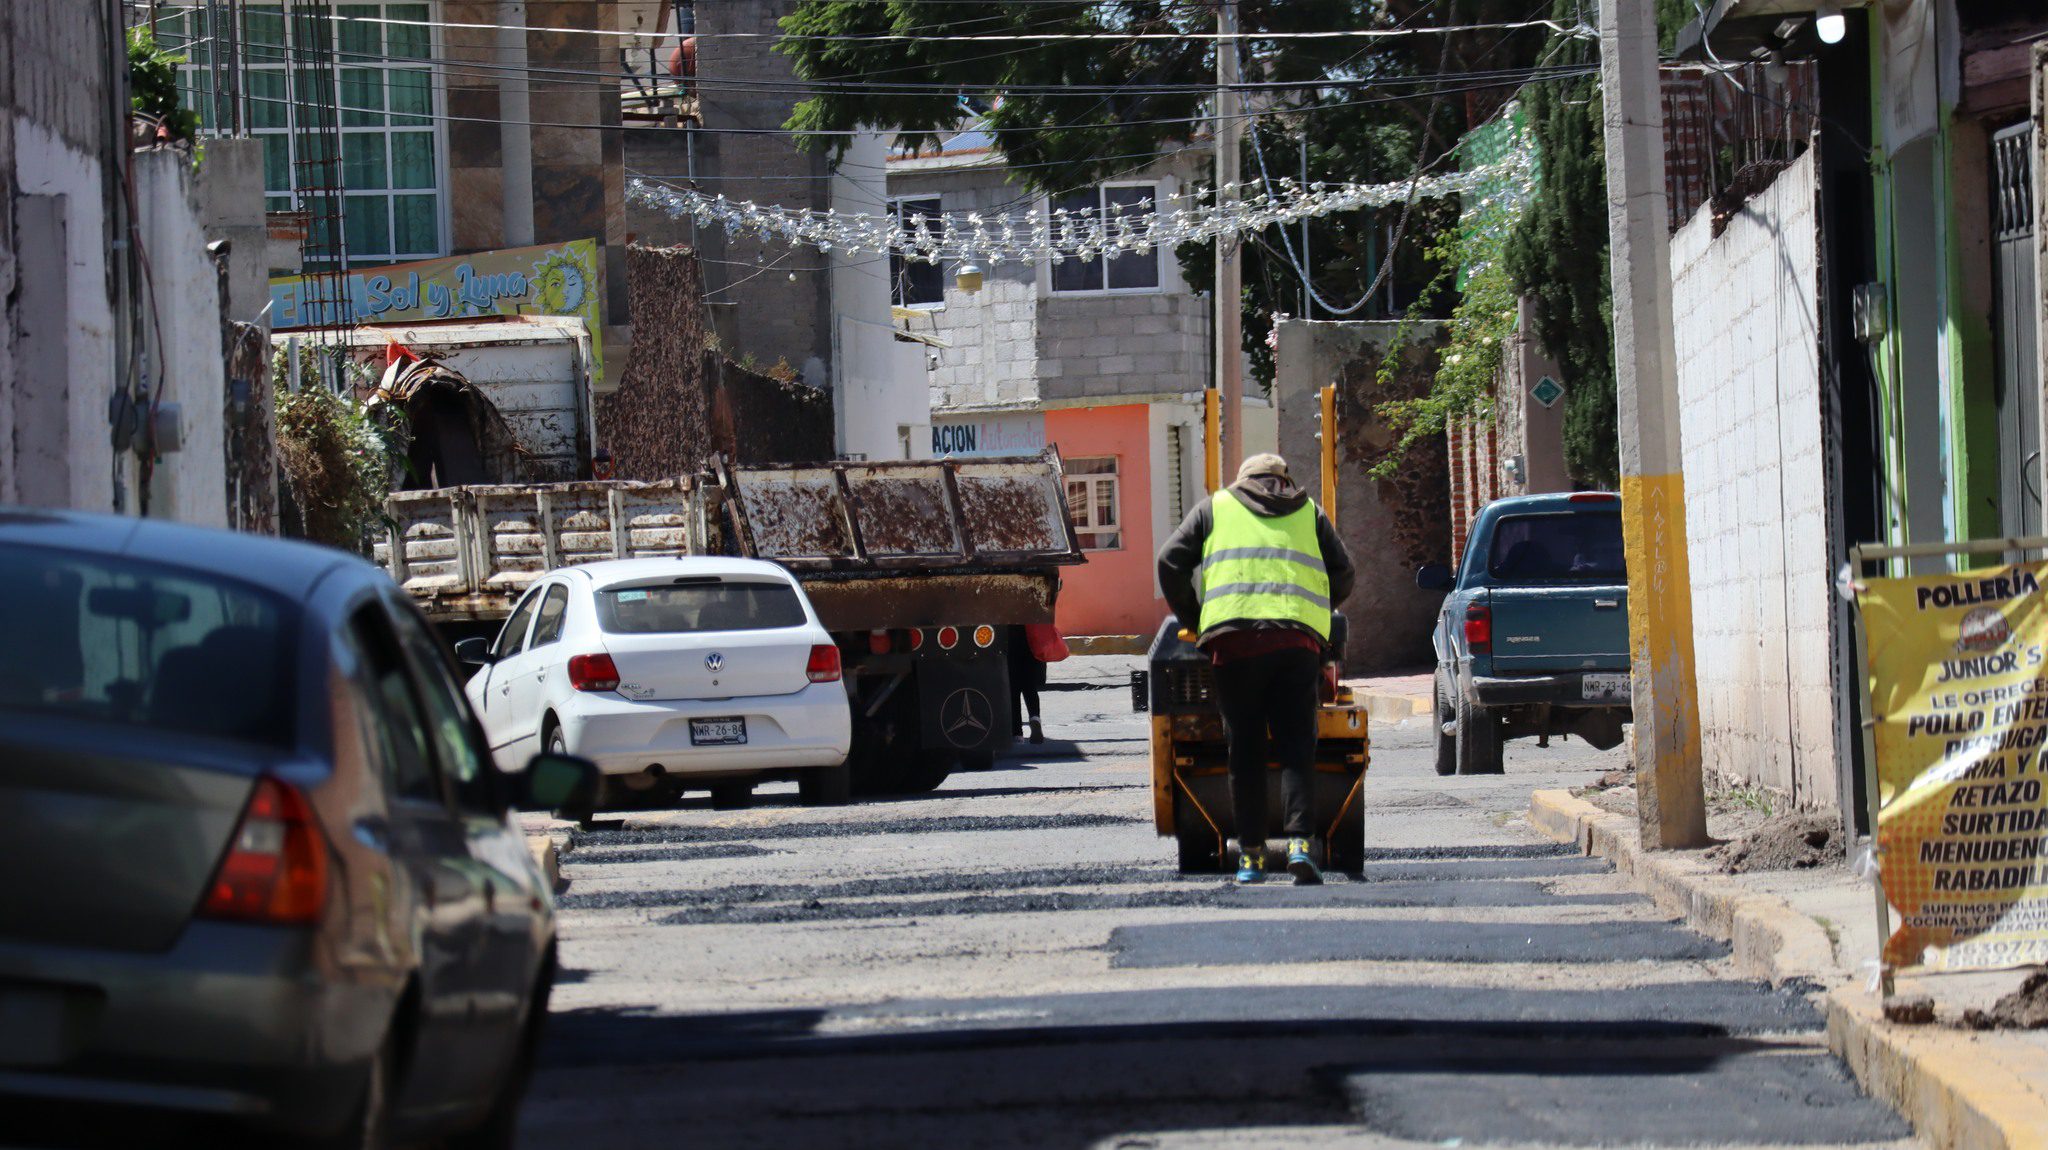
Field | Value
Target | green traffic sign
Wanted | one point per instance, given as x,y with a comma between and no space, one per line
1547,391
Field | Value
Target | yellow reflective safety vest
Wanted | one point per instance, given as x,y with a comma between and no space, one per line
1254,567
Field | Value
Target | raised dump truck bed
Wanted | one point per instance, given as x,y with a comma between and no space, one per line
919,568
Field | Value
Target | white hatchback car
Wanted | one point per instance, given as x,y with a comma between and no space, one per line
670,675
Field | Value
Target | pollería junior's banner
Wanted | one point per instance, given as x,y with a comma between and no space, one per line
549,279
1959,687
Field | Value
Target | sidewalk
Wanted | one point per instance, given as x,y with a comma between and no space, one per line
1395,697
1958,1087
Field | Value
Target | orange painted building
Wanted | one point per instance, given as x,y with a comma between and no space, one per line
1108,454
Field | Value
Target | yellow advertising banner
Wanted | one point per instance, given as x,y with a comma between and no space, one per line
1959,689
548,279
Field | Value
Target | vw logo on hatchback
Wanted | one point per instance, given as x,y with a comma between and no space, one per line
714,662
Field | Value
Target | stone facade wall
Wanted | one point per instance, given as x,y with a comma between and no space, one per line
1106,345
1390,526
1757,492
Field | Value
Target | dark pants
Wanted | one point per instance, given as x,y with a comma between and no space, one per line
1277,690
1027,678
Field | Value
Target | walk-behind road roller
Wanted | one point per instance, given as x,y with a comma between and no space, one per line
1191,765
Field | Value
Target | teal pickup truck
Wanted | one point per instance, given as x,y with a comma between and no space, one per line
1533,636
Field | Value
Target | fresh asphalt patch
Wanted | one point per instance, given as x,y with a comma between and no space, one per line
670,833
1238,942
1455,851
1652,1095
1460,870
704,852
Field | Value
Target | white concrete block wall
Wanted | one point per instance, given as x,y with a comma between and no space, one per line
1757,518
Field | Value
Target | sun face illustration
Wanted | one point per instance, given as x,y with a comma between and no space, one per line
561,280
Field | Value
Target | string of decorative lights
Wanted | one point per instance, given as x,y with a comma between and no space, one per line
1085,234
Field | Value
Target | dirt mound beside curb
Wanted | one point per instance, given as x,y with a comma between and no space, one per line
2023,1009
1787,842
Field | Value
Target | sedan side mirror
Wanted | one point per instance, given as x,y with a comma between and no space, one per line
1433,577
553,782
475,651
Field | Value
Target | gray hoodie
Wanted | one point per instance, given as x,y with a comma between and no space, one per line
1265,495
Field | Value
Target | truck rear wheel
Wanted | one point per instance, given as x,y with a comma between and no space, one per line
928,771
1446,722
1479,741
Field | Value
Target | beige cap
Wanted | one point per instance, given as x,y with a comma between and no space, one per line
1264,463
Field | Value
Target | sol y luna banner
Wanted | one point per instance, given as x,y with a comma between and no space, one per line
1959,687
549,279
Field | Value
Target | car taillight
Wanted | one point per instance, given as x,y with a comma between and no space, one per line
1479,629
916,639
984,635
593,673
1595,497
949,638
276,867
824,665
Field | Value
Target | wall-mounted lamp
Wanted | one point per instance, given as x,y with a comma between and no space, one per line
1829,23
968,278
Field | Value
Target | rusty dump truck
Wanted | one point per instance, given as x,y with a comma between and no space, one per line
918,568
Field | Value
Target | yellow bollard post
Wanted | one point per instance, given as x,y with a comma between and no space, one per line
1326,440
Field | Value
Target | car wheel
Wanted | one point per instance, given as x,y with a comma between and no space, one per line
732,796
369,1127
1445,714
928,771
825,786
499,1127
1479,741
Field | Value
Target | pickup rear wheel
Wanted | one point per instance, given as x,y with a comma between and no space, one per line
1478,741
928,771
1446,721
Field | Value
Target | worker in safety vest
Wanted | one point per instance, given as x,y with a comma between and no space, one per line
1254,573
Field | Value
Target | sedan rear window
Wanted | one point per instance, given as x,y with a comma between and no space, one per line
1580,547
685,608
115,640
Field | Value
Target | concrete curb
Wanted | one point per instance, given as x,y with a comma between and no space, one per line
1391,708
547,853
1959,1090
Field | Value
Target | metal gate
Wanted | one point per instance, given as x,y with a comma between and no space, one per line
2016,329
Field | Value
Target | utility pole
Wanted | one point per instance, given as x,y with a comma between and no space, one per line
1229,276
1670,801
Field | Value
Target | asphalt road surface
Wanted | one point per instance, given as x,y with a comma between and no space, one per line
1013,961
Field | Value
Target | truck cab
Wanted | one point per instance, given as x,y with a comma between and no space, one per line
1533,635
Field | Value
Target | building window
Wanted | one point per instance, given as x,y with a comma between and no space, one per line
1092,503
1126,271
378,83
915,283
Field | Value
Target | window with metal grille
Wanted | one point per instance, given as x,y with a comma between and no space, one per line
382,82
915,283
1092,502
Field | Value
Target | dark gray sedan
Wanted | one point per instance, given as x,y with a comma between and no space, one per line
255,860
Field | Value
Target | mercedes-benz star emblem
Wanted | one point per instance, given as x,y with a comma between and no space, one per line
966,718
714,662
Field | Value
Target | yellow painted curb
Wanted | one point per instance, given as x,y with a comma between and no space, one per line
548,854
1961,1091
1958,1088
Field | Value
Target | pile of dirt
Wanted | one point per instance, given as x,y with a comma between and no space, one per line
1787,842
2023,1009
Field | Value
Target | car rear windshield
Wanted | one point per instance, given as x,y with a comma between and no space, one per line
685,608
1573,547
116,640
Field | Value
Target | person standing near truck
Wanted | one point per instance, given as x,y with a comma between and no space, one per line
1254,573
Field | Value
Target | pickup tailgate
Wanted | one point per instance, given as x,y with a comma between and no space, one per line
1558,588
1541,629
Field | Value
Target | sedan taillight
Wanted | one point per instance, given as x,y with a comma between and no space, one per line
1479,629
824,664
593,673
275,870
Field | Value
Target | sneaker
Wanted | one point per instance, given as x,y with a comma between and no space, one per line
1251,866
1301,864
1037,733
